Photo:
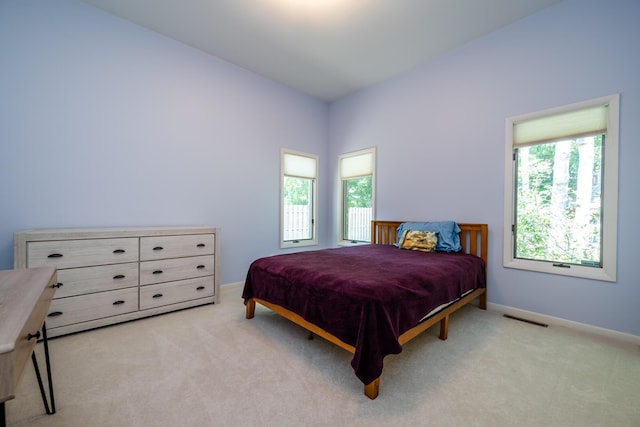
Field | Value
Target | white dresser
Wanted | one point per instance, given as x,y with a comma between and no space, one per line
111,275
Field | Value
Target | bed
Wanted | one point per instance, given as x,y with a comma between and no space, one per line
372,299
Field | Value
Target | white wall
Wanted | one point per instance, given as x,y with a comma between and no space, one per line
104,123
439,131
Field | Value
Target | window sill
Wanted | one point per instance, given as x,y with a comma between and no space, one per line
583,272
352,243
298,244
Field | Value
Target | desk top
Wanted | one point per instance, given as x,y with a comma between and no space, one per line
20,292
25,296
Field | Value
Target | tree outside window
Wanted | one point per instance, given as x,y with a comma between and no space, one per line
558,212
358,208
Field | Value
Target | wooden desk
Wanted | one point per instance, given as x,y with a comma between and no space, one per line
25,296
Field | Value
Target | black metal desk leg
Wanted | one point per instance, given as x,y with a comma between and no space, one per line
37,369
45,343
3,419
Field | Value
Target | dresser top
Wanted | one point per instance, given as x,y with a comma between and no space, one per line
109,232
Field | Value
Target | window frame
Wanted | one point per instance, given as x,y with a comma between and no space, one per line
609,212
341,195
284,244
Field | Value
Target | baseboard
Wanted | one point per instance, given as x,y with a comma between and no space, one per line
550,320
232,284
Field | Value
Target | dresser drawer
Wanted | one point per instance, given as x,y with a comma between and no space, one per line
167,270
173,292
161,247
81,308
81,253
85,280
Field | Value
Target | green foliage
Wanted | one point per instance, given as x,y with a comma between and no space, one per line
297,191
543,233
358,192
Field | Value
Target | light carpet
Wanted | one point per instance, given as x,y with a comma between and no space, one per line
209,366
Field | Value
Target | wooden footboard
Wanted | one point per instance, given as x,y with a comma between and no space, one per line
473,238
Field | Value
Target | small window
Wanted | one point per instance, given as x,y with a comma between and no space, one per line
357,190
298,199
561,190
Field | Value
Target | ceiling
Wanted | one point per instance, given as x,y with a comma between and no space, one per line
324,48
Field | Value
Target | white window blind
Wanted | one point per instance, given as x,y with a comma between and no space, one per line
299,166
358,165
565,126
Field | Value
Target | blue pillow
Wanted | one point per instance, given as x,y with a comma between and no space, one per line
448,237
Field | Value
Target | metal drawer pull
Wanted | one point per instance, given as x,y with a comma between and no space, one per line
200,288
201,245
157,296
157,272
119,276
118,302
55,256
119,251
57,285
200,267
36,336
54,314
158,248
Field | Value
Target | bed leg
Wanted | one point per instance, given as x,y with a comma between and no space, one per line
483,301
444,328
251,308
372,389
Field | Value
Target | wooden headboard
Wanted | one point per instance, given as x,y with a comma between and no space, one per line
473,237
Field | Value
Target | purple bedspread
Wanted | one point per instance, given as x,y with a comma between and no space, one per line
367,296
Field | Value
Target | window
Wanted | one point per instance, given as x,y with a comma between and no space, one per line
357,189
298,199
561,186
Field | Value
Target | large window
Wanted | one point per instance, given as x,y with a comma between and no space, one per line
357,189
561,190
298,199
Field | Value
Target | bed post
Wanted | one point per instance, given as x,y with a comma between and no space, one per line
483,300
251,308
372,389
444,328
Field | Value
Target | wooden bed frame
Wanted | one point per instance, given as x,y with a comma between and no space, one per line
473,238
